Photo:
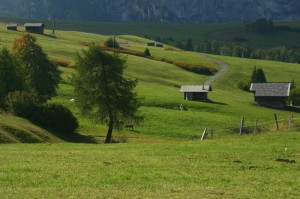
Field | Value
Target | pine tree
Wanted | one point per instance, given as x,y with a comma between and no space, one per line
147,52
189,45
102,91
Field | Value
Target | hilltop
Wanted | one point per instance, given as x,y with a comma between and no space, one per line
154,10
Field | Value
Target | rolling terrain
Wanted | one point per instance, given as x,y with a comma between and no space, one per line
159,84
164,156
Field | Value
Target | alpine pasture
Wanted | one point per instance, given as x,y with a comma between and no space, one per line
163,157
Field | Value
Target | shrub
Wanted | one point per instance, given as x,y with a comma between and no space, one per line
23,104
111,43
57,116
244,85
295,97
196,68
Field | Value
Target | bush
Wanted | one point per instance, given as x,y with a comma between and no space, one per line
295,97
111,43
196,68
244,85
23,104
58,117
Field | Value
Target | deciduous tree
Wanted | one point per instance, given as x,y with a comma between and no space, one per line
41,76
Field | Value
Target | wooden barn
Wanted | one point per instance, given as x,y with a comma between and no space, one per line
274,95
159,45
35,27
196,93
150,44
12,26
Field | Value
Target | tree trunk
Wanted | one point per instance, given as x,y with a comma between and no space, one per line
110,130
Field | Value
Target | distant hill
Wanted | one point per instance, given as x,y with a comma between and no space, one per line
153,10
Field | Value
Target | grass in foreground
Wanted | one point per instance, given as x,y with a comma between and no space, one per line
235,167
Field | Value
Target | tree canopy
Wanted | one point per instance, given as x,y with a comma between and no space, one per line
10,78
40,75
258,76
102,91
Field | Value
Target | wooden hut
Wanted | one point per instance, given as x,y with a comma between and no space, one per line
12,26
273,95
35,27
159,45
196,92
150,44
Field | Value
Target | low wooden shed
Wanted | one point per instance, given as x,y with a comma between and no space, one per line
274,95
35,27
196,92
12,26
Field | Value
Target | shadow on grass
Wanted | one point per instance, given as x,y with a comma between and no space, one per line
218,103
70,137
294,109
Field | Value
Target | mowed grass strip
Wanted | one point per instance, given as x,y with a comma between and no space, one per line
244,167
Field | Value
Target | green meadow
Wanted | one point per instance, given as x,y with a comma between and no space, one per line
235,167
163,157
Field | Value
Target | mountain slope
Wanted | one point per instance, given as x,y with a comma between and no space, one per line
153,10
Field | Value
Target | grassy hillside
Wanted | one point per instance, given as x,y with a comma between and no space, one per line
256,166
224,32
159,85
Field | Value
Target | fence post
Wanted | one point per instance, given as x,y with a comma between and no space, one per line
290,121
242,126
255,127
276,121
204,134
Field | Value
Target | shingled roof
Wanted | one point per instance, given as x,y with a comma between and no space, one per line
34,24
196,89
271,89
11,25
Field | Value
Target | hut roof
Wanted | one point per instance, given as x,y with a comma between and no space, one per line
34,25
10,25
196,89
271,89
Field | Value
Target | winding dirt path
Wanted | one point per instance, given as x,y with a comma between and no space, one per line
224,69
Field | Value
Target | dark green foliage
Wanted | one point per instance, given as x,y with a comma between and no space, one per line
261,26
258,76
293,86
189,45
275,54
180,45
102,91
295,97
196,68
147,52
40,75
112,43
58,117
23,104
10,78
244,85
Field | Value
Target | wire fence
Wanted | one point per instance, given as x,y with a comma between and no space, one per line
290,123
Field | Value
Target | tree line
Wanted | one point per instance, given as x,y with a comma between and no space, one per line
282,53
